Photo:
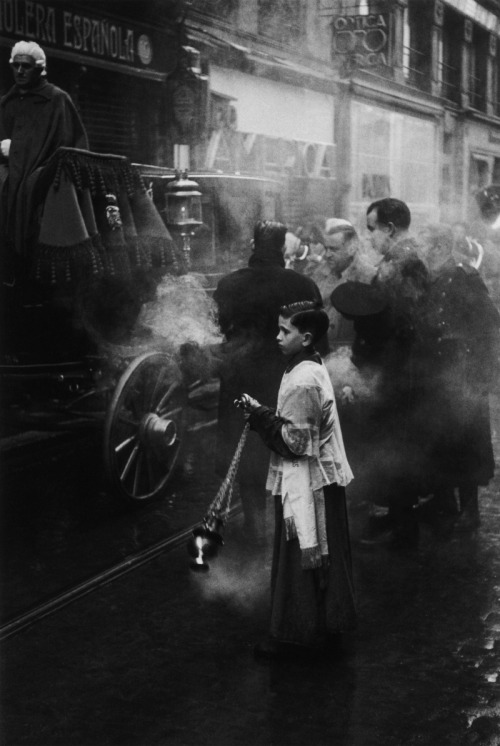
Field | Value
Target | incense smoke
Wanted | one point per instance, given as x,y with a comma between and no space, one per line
182,312
349,382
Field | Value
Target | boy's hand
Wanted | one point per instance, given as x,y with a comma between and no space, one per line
247,403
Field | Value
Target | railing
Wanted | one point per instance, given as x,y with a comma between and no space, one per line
477,94
450,82
412,68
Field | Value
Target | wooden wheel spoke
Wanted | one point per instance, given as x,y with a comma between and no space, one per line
159,380
137,472
125,443
166,396
150,470
171,413
125,419
130,461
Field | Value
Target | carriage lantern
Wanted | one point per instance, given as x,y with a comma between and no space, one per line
183,211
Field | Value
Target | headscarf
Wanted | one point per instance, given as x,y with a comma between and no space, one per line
32,49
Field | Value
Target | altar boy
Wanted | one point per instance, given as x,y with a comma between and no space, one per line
311,579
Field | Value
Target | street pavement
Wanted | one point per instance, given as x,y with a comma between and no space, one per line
163,656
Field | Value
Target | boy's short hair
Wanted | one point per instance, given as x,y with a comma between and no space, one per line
307,316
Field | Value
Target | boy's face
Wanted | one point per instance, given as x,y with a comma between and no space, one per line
290,339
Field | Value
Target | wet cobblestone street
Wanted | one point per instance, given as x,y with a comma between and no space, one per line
164,656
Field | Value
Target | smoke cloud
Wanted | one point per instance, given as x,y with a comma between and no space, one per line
349,382
181,313
241,581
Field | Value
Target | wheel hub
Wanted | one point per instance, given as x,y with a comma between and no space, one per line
157,432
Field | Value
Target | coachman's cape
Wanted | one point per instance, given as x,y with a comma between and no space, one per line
38,122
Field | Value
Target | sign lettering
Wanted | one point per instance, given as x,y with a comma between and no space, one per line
363,38
85,34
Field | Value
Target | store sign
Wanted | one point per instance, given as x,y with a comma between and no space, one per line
364,39
60,26
259,154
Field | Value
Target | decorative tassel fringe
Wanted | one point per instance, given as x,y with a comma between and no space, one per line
98,172
311,558
56,265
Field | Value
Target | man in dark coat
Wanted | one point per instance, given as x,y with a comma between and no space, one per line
36,118
461,345
248,302
385,340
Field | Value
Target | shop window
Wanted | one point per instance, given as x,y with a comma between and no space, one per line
495,176
450,53
282,20
479,173
417,44
478,69
375,186
393,155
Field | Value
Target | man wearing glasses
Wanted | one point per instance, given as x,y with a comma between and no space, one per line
36,118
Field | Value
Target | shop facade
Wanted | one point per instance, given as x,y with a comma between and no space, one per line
362,100
112,61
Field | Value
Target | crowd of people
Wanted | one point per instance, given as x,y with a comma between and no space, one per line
415,312
419,313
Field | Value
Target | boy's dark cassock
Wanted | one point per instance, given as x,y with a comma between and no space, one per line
248,302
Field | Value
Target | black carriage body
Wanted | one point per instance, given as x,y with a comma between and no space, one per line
100,246
97,249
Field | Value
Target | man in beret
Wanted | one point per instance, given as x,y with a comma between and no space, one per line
36,118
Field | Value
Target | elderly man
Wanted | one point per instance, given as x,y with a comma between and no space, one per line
341,245
36,118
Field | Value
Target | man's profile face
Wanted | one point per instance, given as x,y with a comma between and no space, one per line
380,234
26,73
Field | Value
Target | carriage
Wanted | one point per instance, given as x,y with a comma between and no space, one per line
78,351
95,251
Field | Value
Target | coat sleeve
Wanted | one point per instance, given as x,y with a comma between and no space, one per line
269,426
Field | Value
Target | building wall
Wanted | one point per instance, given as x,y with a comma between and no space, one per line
111,58
399,125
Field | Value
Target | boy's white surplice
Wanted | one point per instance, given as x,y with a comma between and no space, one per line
312,431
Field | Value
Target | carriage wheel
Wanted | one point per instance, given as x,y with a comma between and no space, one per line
144,427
